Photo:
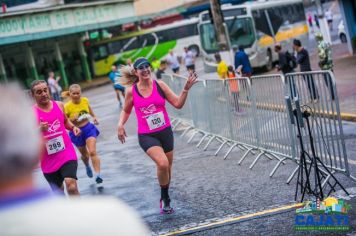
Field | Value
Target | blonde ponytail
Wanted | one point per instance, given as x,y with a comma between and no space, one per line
65,94
128,77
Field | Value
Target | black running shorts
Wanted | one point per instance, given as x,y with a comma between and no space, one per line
163,138
68,170
191,67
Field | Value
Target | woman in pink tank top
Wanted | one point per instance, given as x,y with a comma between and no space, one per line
155,135
59,160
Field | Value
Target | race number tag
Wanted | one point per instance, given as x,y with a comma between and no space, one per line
155,121
55,145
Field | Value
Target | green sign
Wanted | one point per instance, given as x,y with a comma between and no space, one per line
31,23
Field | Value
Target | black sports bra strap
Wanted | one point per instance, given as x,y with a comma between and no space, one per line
160,90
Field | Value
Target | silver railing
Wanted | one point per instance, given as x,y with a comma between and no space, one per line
318,96
253,117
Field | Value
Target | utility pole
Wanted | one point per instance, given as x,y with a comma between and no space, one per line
218,24
324,27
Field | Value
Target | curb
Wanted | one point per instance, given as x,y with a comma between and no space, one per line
87,86
348,117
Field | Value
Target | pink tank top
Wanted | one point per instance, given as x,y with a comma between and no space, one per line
151,112
58,147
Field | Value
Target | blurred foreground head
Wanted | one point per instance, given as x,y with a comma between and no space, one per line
19,138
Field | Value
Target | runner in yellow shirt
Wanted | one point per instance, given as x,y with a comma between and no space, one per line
79,111
222,67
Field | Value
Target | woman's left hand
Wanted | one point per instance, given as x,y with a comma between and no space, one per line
76,131
95,120
192,79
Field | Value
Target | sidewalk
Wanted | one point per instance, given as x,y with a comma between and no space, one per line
345,75
96,82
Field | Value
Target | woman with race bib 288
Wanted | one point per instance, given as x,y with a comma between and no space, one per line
155,135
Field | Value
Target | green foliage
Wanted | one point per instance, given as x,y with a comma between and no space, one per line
354,42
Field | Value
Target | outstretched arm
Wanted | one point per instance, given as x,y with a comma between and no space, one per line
95,119
172,98
67,123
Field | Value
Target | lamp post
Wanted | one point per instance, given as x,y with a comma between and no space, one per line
218,24
324,28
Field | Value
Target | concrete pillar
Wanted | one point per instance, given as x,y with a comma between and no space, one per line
32,64
3,77
58,55
83,58
346,25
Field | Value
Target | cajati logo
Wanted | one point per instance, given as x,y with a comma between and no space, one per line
327,215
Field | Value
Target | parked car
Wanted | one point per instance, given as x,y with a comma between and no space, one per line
341,32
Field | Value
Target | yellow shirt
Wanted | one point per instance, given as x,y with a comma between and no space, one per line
155,64
74,111
222,70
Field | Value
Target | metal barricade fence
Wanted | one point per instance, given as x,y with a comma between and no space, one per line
254,117
199,104
243,127
167,78
176,83
217,108
318,95
274,133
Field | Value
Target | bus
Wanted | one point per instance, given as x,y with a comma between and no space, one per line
256,26
153,42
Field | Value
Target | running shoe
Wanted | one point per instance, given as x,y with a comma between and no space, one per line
98,180
165,207
89,171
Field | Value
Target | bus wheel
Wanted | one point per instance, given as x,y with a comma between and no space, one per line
195,49
269,65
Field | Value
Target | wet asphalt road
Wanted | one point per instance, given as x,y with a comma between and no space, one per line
204,187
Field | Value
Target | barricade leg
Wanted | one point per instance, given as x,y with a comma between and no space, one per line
276,167
256,159
269,156
176,125
245,155
230,149
186,131
191,137
272,155
173,120
210,140
292,175
221,146
202,139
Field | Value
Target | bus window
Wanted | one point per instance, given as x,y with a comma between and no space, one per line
208,38
115,47
129,44
277,21
241,32
150,39
100,52
300,16
261,23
